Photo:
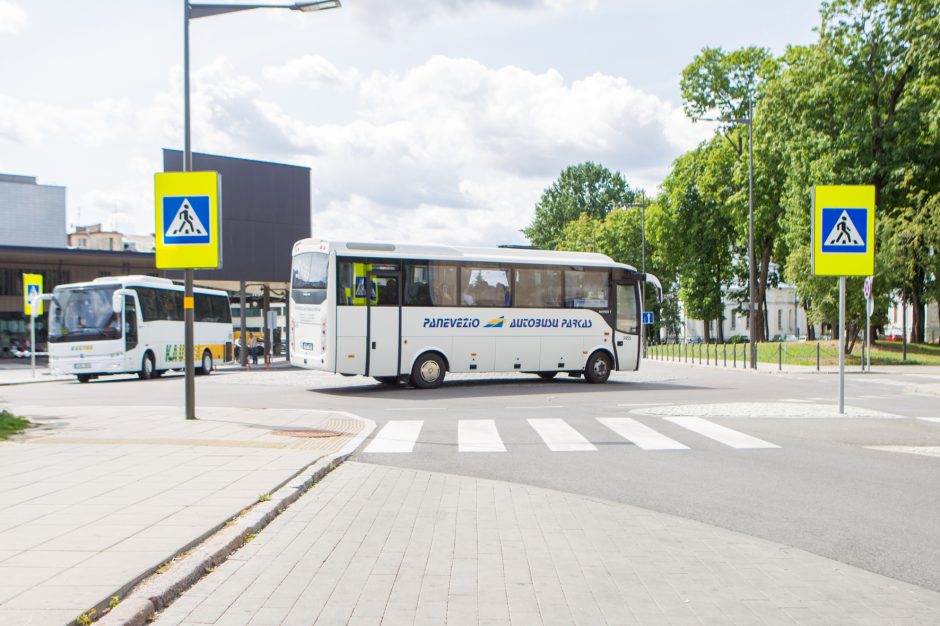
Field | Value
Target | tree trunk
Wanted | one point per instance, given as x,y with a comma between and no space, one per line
705,330
851,336
918,319
810,331
721,329
766,250
835,329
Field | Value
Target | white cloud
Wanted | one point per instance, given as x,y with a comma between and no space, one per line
382,13
312,70
13,17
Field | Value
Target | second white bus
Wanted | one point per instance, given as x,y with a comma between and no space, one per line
134,324
412,313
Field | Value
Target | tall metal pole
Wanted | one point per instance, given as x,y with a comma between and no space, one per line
842,345
643,337
189,338
752,271
243,326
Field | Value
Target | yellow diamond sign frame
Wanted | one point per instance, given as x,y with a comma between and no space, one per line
843,231
188,212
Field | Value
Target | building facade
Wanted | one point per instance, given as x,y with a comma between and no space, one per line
32,214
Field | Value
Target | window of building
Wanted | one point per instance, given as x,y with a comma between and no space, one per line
779,319
734,321
586,290
538,288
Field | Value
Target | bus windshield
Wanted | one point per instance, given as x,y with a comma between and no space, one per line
83,314
308,278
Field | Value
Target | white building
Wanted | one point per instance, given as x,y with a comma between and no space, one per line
897,313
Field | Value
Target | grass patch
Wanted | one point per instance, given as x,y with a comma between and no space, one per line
11,424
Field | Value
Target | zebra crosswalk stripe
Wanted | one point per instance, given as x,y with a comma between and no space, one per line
641,435
721,434
478,436
560,437
396,436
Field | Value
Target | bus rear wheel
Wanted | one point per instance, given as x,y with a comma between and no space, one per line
597,370
206,367
428,371
83,378
147,367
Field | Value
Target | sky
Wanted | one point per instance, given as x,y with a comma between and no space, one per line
432,121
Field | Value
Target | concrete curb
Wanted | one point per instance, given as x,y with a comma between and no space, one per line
159,590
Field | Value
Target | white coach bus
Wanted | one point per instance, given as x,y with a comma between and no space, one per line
400,312
134,324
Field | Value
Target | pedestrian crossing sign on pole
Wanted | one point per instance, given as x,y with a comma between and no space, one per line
188,220
32,287
843,233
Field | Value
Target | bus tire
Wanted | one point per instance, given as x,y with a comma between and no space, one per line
83,378
391,381
547,375
206,367
428,371
147,367
598,367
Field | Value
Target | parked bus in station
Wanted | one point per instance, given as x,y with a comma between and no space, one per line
400,312
134,324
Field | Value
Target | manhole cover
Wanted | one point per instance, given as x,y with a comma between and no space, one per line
307,434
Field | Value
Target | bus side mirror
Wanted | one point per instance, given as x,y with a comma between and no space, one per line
117,301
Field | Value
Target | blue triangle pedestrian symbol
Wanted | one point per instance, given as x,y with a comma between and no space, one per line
186,220
845,230
186,223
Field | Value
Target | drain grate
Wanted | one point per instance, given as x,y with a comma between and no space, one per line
307,434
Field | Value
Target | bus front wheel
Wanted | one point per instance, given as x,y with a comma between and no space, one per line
206,367
146,367
598,368
428,371
84,378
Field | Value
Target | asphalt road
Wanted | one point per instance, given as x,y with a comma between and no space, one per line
820,488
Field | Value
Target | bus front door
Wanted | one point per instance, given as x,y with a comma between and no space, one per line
384,322
627,327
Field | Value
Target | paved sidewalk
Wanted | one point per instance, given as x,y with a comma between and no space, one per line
100,496
373,544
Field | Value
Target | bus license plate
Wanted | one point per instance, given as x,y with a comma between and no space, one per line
83,366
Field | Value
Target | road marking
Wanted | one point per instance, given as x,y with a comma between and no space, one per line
560,437
930,419
396,436
552,406
643,436
420,408
645,404
933,451
478,436
720,434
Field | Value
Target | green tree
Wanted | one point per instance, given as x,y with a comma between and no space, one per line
589,189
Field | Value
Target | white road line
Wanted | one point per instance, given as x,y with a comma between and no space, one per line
720,434
930,419
644,404
552,406
560,437
419,408
478,436
643,436
396,436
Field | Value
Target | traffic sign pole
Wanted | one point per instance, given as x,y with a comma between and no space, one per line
842,345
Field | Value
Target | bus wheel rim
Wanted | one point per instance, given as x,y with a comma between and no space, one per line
430,370
600,367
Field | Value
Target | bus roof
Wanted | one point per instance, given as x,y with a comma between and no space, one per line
140,280
436,252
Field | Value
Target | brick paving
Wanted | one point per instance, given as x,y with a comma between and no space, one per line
380,545
100,496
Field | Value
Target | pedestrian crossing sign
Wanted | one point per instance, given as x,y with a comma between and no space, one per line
843,230
188,220
32,288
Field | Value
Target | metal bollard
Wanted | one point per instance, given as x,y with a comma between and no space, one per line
817,356
725,350
700,353
708,354
734,354
780,356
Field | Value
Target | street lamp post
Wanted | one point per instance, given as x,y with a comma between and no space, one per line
642,205
195,11
752,270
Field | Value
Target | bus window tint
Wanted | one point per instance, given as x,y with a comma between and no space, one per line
538,288
203,312
221,309
149,309
586,290
167,307
431,284
484,287
386,288
626,309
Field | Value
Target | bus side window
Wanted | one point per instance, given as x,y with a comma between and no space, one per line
417,285
148,304
203,311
